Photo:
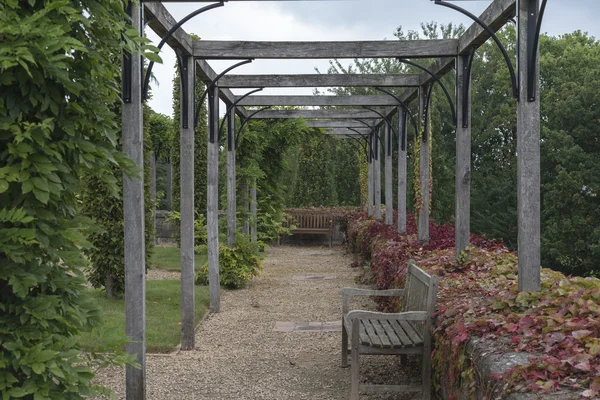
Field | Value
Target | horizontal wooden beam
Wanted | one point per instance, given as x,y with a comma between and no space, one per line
335,123
218,49
318,114
347,132
319,80
161,21
344,101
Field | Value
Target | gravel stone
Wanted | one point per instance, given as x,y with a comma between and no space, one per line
238,355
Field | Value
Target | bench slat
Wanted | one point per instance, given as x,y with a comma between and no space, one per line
410,331
391,333
401,334
381,332
373,338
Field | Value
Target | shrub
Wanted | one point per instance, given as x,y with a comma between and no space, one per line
237,265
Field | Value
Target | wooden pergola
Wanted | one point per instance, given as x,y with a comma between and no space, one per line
362,120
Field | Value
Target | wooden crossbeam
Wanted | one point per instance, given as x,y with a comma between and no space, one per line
218,49
343,101
334,123
318,114
347,132
319,80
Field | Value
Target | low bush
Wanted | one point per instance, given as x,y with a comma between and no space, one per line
559,327
237,265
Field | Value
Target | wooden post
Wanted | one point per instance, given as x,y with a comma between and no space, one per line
463,154
402,183
231,184
169,189
377,177
246,202
389,194
186,180
254,212
153,194
424,166
133,215
528,155
370,178
212,215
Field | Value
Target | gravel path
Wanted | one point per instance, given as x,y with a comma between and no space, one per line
238,355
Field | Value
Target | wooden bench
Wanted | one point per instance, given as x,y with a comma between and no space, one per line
309,222
407,332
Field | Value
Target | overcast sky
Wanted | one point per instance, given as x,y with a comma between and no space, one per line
331,20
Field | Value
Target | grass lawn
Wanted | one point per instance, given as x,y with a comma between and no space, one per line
163,315
168,258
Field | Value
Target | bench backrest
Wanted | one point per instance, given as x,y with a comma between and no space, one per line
420,294
307,219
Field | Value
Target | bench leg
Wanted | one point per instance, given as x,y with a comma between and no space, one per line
355,364
426,394
344,346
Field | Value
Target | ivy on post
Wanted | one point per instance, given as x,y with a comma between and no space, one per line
402,171
133,210
389,195
528,151
212,203
186,165
231,180
370,178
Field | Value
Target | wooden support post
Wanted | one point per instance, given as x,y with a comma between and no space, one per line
231,184
370,179
463,154
377,177
254,212
423,234
212,214
246,203
153,194
389,194
133,214
528,154
169,188
187,205
402,182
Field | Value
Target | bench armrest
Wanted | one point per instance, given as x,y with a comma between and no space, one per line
403,316
370,292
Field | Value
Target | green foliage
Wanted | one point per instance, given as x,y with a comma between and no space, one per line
200,231
237,265
57,70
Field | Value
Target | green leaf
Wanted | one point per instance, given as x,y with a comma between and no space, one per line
3,186
153,57
42,196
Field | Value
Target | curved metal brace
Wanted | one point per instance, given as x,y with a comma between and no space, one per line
167,36
246,121
366,146
533,52
479,21
360,146
408,112
373,131
212,83
231,107
438,80
389,123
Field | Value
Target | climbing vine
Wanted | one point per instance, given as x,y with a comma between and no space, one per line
59,83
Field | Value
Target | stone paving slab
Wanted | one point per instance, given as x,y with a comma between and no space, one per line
289,326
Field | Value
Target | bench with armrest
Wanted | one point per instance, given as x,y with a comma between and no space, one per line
407,332
310,222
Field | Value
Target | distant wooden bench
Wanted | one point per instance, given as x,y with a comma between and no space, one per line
407,332
309,222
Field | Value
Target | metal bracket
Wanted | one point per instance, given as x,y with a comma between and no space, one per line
246,121
126,77
534,20
185,106
438,80
425,91
212,92
213,83
373,131
403,132
367,152
466,87
480,22
229,109
167,36
382,117
408,112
